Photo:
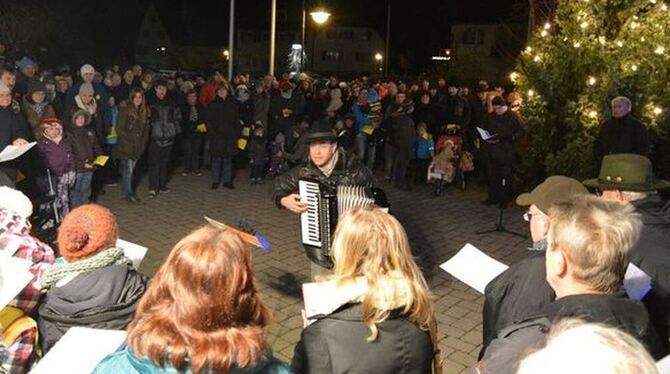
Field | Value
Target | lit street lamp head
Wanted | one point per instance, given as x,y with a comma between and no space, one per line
378,56
320,16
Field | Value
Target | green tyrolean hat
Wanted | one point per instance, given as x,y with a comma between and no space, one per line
626,172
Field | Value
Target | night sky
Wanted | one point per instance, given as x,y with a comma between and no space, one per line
104,32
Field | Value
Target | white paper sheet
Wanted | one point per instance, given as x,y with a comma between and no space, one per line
134,252
80,350
11,151
14,277
473,267
663,365
636,282
485,134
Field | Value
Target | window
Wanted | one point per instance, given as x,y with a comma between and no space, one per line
348,35
473,36
332,56
366,35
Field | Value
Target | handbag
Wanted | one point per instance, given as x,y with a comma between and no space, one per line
467,162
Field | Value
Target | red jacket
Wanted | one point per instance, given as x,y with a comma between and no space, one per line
207,92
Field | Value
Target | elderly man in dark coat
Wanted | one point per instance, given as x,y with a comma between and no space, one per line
623,133
223,131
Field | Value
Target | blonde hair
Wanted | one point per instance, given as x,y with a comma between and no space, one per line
596,236
574,346
371,244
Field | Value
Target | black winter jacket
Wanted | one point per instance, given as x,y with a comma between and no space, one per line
622,135
223,126
165,121
337,344
348,170
105,298
507,350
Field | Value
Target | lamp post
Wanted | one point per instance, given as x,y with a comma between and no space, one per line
319,16
379,57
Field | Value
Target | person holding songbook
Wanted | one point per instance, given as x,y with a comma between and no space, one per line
374,314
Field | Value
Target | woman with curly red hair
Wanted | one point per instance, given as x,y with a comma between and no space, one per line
201,314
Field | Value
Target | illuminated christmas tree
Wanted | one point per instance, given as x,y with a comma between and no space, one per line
574,65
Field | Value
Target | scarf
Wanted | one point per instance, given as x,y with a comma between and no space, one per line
39,108
90,108
193,114
108,257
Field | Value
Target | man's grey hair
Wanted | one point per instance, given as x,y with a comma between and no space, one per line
577,346
623,100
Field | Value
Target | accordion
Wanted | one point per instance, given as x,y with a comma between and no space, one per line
326,203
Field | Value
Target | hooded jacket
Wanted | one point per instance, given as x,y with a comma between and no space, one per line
85,147
132,134
104,298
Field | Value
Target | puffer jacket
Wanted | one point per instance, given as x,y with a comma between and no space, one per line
165,122
337,343
125,362
104,298
348,170
132,134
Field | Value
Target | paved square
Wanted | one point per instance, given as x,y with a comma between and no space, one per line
437,228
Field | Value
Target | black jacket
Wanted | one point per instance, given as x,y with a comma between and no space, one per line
165,121
507,129
623,135
223,126
518,292
337,344
507,350
105,298
12,126
348,170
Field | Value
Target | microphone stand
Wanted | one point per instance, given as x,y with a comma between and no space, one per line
500,226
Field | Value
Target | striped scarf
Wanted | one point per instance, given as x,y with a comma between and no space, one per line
108,257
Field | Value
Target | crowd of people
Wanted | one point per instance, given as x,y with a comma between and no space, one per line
202,311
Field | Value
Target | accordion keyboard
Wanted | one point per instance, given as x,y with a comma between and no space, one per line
310,224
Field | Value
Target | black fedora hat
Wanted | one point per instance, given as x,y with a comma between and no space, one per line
321,130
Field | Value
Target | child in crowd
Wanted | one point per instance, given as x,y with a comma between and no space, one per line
86,149
258,154
278,163
425,150
56,153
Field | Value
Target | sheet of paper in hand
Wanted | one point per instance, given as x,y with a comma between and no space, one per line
485,134
14,277
636,282
80,350
663,365
12,151
134,252
473,267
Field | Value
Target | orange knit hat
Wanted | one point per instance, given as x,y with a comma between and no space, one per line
85,231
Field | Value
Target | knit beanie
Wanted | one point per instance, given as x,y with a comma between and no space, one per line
87,68
86,231
52,122
24,62
86,88
15,201
36,85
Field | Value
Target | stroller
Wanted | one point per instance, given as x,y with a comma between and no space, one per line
446,165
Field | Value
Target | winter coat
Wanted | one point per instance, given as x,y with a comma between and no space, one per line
284,113
34,119
189,125
104,298
622,135
337,344
424,148
165,122
85,147
96,123
507,350
125,362
58,157
507,129
258,152
223,127
457,110
404,134
132,135
246,111
12,126
514,295
261,108
348,170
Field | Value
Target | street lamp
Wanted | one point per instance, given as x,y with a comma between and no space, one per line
320,16
379,57
226,54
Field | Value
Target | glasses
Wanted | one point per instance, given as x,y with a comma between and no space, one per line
527,216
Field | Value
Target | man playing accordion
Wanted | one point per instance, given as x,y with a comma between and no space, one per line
327,164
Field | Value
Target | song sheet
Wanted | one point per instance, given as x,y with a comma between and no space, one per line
13,151
80,350
473,267
636,282
134,252
14,277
